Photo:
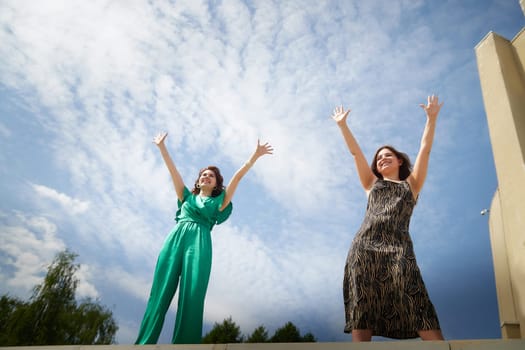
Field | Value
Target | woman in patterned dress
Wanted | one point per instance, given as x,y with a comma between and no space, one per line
185,257
384,293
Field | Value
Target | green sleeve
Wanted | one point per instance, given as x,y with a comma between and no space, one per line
185,195
222,216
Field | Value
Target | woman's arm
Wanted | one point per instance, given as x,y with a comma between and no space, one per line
366,175
175,176
419,173
232,186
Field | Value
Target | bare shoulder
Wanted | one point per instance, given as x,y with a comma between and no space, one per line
370,186
414,188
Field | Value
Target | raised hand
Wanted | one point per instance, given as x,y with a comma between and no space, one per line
432,107
159,139
339,114
263,149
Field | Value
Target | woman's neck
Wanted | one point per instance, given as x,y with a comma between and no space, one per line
392,177
205,192
392,180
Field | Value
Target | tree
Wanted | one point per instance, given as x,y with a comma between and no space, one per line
259,335
286,334
10,309
309,338
52,316
93,324
227,332
289,333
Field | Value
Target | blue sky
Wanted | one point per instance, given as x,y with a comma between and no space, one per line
84,87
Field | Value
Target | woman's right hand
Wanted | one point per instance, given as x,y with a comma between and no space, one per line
159,139
339,115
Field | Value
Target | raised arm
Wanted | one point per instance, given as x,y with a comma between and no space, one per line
234,182
366,175
175,176
419,173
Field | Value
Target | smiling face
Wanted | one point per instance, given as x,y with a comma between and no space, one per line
391,163
388,163
207,179
210,179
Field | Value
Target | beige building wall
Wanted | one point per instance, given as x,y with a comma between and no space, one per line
501,70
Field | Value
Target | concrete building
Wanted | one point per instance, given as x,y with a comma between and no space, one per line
501,65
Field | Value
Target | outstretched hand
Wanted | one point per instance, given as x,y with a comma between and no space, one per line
339,114
263,149
432,107
159,139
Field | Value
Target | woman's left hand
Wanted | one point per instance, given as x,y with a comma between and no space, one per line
432,107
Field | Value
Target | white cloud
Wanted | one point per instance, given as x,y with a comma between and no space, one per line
115,70
254,280
85,288
128,282
103,77
216,81
29,244
73,205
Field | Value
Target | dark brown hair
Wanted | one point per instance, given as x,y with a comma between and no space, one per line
404,169
219,187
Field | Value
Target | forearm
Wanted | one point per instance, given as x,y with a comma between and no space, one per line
363,169
419,172
175,175
234,182
427,138
239,174
245,167
353,146
351,142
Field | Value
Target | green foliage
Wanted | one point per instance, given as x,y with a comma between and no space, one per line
225,333
93,324
259,335
52,316
287,334
229,332
309,338
11,309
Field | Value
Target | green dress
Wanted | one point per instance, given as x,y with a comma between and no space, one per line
186,258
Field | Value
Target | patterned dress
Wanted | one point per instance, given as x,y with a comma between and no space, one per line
383,289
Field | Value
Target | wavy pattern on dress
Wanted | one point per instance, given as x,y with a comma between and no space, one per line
382,288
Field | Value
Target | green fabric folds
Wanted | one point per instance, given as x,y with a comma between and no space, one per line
185,258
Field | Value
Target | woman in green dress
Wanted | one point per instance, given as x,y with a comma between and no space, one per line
185,257
384,293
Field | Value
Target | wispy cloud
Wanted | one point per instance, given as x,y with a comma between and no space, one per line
73,205
217,77
29,244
